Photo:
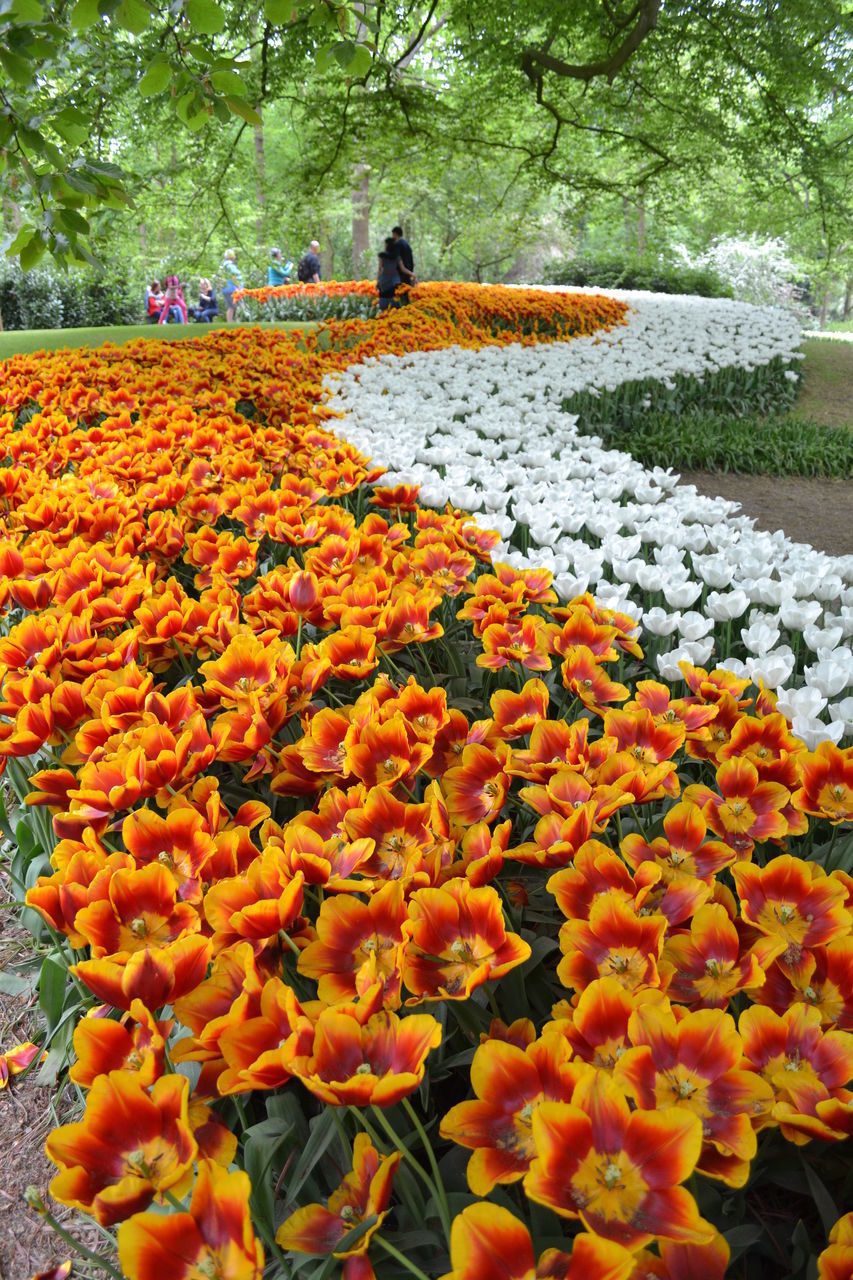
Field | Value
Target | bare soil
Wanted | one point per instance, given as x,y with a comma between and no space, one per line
816,511
28,1112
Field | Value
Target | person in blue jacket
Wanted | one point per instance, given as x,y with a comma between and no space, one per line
278,272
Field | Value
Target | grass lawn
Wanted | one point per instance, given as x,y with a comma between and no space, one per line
826,395
15,342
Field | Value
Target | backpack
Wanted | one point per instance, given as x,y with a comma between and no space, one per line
303,271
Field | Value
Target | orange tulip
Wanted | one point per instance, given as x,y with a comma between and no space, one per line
136,1043
806,1068
131,1145
357,945
836,1261
510,1082
617,1170
458,941
745,810
793,900
694,1063
488,1243
827,790
215,1238
364,1193
360,1059
711,963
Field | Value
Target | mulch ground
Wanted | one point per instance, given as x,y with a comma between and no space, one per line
819,512
28,1112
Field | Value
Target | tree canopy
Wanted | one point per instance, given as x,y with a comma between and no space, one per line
114,105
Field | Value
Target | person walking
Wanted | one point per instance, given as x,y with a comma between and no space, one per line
278,272
232,281
405,256
308,270
388,280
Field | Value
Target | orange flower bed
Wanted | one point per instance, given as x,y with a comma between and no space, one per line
392,892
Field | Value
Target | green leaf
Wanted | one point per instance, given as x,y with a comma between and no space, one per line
32,252
71,125
185,104
360,62
279,12
52,984
72,221
228,82
343,53
12,985
27,10
133,15
85,14
824,1203
262,1142
240,107
16,67
323,1130
157,77
206,16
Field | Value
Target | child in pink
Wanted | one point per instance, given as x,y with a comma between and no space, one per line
174,302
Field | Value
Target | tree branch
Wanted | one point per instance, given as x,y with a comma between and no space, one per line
535,61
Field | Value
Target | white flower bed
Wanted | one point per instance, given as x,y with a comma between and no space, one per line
486,431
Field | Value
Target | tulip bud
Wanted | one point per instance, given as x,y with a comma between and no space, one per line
303,591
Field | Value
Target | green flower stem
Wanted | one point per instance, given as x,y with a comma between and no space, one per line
438,1195
35,1201
439,1184
399,1257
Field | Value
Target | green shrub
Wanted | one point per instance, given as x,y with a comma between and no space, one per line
655,277
776,445
47,298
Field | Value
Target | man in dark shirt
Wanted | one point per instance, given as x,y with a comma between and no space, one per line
405,257
310,265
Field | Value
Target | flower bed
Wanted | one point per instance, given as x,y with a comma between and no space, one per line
505,432
330,301
398,920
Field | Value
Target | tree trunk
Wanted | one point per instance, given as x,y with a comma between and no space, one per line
360,201
260,186
824,308
627,223
641,224
848,297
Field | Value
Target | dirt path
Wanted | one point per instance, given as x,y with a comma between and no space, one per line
815,511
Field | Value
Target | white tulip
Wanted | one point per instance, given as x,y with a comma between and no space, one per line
813,731
698,651
773,669
660,622
715,571
843,711
760,638
723,607
735,665
823,638
569,585
667,664
797,614
682,595
829,676
805,702
693,625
